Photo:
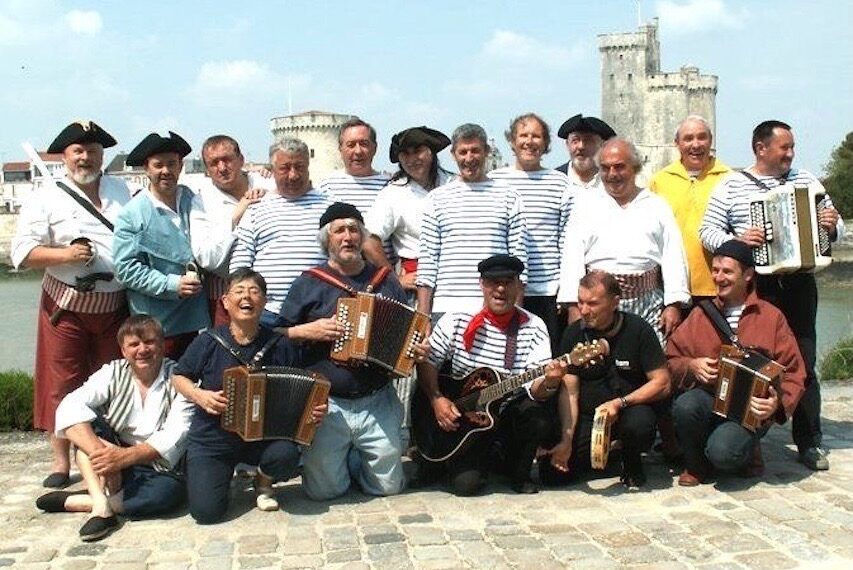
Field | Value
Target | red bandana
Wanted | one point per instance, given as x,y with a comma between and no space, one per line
502,322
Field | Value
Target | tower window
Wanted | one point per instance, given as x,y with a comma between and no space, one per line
311,151
630,76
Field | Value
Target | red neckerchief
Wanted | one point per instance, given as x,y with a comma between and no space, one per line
502,322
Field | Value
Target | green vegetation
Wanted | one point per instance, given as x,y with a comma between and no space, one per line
16,400
838,362
839,181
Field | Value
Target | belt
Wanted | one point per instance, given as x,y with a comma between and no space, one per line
358,394
635,285
90,302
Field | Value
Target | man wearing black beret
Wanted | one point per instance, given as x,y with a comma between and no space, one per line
153,255
66,228
583,136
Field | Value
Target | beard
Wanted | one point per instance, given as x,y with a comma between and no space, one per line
84,177
583,164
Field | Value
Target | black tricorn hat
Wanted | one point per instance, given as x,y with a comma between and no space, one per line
738,250
500,265
81,132
417,136
586,125
155,144
340,211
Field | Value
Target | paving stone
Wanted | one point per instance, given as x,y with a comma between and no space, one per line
217,548
766,561
257,561
170,566
80,564
257,544
301,562
620,539
6,562
215,563
777,510
116,556
348,555
384,538
463,535
437,552
387,551
640,554
415,518
12,550
531,558
739,542
40,555
517,542
423,535
87,550
585,551
302,546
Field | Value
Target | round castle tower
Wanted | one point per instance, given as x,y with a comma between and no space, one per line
318,130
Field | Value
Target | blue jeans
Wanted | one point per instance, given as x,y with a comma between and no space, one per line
210,468
358,440
709,440
148,493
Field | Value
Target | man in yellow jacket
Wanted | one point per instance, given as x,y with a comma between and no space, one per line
686,185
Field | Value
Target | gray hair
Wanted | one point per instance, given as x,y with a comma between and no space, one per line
693,119
323,235
289,145
469,131
633,154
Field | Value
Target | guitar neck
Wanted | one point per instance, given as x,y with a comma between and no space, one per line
499,389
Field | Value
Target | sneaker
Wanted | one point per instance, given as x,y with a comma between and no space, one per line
97,528
815,459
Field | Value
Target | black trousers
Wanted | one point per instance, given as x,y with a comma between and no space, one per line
635,427
796,296
545,307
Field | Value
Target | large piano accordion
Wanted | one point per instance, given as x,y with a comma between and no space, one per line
794,240
379,330
274,402
744,373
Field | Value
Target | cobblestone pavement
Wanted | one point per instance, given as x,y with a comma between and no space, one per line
791,518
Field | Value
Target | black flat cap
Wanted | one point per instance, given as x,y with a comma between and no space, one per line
340,211
81,132
736,249
501,265
155,144
414,137
579,123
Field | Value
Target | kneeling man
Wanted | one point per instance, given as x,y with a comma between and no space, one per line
129,427
212,452
708,440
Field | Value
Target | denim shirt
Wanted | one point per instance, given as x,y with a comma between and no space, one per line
151,255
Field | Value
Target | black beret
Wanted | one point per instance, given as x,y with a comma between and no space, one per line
501,265
81,132
155,144
579,123
340,211
417,136
736,249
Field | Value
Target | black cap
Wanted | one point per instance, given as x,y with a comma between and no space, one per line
155,144
501,265
579,123
81,132
340,211
736,249
414,137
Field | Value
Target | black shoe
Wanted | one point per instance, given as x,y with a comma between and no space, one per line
633,478
97,528
526,487
54,502
56,480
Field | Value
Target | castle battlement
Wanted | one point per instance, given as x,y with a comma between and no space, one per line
308,121
690,82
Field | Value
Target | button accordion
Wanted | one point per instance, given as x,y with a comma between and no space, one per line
379,330
794,239
744,373
272,402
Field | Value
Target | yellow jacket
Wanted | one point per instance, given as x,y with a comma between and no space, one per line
688,198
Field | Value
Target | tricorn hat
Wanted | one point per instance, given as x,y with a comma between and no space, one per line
414,137
81,132
579,123
155,144
500,266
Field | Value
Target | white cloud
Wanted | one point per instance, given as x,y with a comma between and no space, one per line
698,15
517,49
233,83
87,22
376,93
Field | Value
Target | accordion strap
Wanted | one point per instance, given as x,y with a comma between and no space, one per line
331,279
756,180
255,360
719,321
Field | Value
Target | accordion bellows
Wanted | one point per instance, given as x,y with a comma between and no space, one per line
272,403
744,374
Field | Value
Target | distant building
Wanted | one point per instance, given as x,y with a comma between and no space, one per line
318,130
644,104
495,158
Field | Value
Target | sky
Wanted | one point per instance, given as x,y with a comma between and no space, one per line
202,68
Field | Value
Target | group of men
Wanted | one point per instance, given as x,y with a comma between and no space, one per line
506,260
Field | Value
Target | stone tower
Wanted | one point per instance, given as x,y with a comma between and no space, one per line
319,130
644,104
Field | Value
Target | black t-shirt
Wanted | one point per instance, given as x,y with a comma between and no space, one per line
310,299
634,352
206,359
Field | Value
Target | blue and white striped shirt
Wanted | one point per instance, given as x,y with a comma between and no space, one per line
463,224
548,199
727,214
277,237
360,191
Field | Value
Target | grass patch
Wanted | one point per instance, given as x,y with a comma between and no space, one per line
838,362
16,400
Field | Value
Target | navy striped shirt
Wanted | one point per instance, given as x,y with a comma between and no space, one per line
548,199
463,224
277,237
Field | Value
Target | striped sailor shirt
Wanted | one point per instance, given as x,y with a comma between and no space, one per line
360,191
727,214
277,237
464,223
548,198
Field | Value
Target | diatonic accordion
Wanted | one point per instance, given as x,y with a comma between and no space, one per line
379,330
794,239
272,403
744,373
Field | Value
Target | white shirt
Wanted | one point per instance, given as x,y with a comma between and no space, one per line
632,239
211,234
142,426
397,212
360,191
50,217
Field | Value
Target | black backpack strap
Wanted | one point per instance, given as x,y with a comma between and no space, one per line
719,321
88,206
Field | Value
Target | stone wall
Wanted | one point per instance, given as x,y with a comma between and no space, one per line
320,132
